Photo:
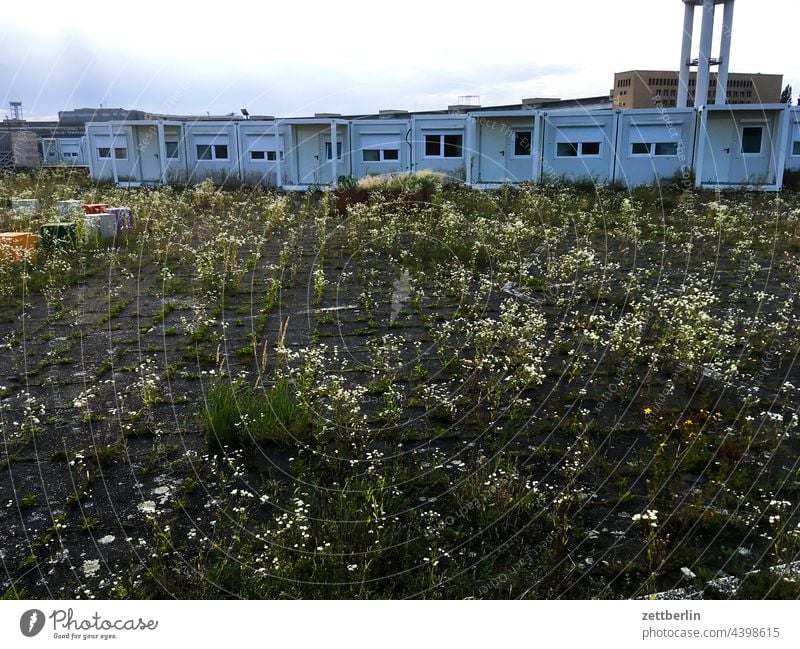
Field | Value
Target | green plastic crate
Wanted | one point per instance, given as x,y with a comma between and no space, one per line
58,235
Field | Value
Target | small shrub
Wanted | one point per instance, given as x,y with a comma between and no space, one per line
238,416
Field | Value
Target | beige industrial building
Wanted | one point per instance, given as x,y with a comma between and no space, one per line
651,88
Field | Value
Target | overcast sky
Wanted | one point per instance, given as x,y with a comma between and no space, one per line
297,58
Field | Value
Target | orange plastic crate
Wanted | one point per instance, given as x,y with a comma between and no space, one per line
13,245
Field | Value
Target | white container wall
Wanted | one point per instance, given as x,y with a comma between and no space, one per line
726,146
110,151
793,145
579,145
211,151
505,149
742,148
440,144
309,155
262,153
654,145
380,146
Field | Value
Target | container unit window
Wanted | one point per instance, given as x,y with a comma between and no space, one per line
172,150
380,155
577,149
212,151
69,151
380,147
751,139
105,147
444,145
329,150
522,144
652,140
796,139
211,147
654,148
258,156
263,148
578,142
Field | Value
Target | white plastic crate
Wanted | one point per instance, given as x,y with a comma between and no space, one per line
98,227
25,204
68,208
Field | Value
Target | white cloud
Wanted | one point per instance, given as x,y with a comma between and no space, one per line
296,58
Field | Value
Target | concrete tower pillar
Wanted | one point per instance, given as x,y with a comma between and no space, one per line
724,53
704,59
686,55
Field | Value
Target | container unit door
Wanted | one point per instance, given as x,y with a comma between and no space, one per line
752,162
148,153
310,155
519,154
719,144
50,152
493,152
325,172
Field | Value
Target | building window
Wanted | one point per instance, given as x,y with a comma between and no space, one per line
443,146
566,150
172,150
522,143
575,149
329,150
654,148
258,155
751,139
795,148
103,152
120,153
212,151
590,148
666,148
380,155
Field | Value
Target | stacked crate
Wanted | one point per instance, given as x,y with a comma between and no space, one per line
58,235
15,246
123,217
69,208
25,204
98,227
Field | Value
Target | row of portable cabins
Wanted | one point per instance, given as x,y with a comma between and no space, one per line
746,146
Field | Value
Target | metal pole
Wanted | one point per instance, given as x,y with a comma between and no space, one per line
704,60
724,53
112,153
686,54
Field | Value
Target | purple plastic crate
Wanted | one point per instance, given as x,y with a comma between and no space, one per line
123,217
